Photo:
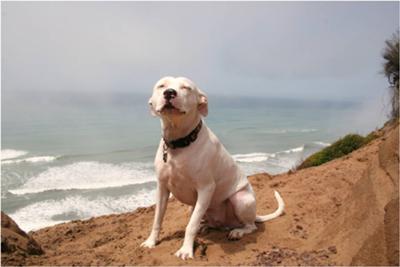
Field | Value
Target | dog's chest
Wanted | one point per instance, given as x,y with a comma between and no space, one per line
179,180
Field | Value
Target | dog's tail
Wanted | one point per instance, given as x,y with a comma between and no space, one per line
276,213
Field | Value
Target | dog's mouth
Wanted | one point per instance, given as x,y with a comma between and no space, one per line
170,108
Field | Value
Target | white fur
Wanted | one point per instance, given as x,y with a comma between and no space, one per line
203,174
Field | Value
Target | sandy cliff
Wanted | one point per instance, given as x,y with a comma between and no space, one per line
345,212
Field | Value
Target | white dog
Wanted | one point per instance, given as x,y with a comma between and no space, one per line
194,166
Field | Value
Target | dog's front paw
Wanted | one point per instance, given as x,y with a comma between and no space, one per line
185,253
149,243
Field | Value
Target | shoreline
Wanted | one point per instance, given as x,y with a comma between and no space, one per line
60,194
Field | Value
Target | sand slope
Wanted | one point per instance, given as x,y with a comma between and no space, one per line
344,212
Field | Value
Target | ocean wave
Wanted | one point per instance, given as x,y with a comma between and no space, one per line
284,131
272,163
88,175
251,157
50,212
11,153
277,162
292,150
288,159
323,144
30,160
91,155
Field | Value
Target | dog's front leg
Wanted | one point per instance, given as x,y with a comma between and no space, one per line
161,206
204,196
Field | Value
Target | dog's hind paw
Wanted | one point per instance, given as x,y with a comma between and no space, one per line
235,234
238,233
184,253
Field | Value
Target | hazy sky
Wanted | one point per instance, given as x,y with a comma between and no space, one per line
272,49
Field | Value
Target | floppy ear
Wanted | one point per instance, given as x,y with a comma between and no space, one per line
152,111
203,103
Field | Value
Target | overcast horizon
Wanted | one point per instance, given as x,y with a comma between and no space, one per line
307,50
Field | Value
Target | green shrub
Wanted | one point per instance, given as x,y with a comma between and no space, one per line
338,149
371,136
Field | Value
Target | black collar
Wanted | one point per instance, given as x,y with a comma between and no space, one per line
184,141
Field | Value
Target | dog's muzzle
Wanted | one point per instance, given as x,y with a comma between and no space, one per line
170,94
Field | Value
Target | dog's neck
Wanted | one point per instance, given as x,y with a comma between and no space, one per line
175,127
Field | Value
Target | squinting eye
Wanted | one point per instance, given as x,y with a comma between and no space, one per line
186,88
161,86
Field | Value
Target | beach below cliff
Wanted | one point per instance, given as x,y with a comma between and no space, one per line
344,212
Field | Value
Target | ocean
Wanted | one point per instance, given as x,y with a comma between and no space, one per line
68,156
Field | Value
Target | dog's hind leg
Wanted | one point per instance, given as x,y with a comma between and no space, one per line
244,207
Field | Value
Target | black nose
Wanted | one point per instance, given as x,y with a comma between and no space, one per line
170,93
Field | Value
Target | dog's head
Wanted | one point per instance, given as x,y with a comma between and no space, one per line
177,97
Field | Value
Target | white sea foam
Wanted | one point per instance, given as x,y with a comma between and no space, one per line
51,212
293,150
285,159
11,153
322,143
251,157
288,159
282,160
88,175
284,131
30,160
273,163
